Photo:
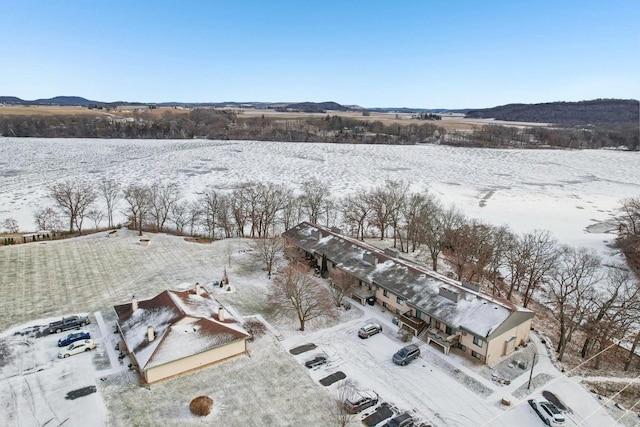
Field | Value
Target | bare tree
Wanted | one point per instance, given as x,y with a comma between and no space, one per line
110,190
542,249
632,351
339,412
342,284
163,196
96,216
438,225
48,219
630,219
73,198
139,199
268,250
291,211
615,307
295,291
11,225
501,240
355,210
209,205
313,197
396,192
380,210
571,289
179,215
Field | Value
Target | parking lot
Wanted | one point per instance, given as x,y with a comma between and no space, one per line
423,387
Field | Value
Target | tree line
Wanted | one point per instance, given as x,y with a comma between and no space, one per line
227,124
592,300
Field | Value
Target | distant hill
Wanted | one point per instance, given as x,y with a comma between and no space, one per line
595,112
58,100
316,107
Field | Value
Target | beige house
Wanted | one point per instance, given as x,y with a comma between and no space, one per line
177,332
439,310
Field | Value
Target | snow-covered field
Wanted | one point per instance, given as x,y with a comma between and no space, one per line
558,190
90,274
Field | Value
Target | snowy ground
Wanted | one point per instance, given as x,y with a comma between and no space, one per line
271,387
562,191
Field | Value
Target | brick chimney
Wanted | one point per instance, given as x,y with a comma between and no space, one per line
151,335
221,314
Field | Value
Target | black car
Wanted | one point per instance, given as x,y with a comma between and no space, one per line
317,361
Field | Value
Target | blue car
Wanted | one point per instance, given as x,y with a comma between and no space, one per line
71,338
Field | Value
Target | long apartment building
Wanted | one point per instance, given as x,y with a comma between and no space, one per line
434,307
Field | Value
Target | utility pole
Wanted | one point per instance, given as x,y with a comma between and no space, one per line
532,365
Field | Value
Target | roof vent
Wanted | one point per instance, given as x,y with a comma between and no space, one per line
151,335
471,286
391,252
370,258
221,314
316,234
449,294
134,303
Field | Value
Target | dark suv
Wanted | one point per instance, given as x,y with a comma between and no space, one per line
406,354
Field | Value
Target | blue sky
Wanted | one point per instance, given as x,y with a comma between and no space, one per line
431,54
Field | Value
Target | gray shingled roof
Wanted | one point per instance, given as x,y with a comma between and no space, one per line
475,312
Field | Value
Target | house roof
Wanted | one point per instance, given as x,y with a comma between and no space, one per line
184,324
476,312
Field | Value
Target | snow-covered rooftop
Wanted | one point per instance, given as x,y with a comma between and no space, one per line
476,312
184,323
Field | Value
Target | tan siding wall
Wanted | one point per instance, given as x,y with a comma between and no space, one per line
391,301
497,345
193,362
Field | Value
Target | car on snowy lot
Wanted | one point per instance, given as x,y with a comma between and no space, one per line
406,354
402,420
315,362
71,322
77,347
369,329
360,400
71,338
548,412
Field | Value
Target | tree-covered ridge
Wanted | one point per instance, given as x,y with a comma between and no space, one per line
594,112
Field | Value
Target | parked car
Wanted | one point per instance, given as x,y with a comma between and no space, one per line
77,347
402,420
406,354
548,412
71,338
317,361
71,322
369,329
360,401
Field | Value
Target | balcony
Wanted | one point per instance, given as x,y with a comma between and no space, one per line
442,339
411,321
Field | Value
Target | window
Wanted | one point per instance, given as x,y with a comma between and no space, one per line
385,293
448,330
400,300
476,355
462,347
398,311
477,341
384,304
437,324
